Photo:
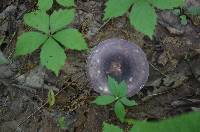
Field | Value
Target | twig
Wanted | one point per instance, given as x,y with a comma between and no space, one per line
104,24
46,102
155,68
157,94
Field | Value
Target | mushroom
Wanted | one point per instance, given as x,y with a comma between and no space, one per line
120,59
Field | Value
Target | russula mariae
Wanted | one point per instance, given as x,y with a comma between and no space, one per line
121,60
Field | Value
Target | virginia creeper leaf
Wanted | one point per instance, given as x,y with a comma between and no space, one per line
104,100
52,56
115,8
166,4
51,98
45,4
143,17
184,123
120,111
111,128
60,19
128,102
38,20
71,38
66,3
29,42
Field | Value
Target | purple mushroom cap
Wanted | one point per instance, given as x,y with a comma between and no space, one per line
121,60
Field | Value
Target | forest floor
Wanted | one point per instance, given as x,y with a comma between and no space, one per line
173,86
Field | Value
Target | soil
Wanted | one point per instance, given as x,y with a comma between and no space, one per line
173,87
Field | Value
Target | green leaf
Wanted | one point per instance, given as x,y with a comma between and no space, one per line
184,123
61,122
29,42
61,18
38,20
113,86
66,3
52,56
128,102
72,39
51,97
111,128
183,19
120,111
104,100
167,4
45,4
123,89
143,17
115,8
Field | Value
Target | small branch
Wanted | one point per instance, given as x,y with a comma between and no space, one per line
47,102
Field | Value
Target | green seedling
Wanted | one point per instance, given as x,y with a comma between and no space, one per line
183,18
51,98
50,34
119,96
142,15
61,122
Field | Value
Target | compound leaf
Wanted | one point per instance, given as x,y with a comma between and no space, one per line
52,56
66,3
72,39
111,128
115,8
120,111
51,98
167,4
143,17
45,4
29,42
61,18
104,100
38,20
128,102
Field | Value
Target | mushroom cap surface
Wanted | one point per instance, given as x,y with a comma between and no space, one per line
120,59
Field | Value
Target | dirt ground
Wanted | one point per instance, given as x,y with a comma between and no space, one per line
173,86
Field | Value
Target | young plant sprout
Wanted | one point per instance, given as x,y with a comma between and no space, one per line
118,96
120,59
